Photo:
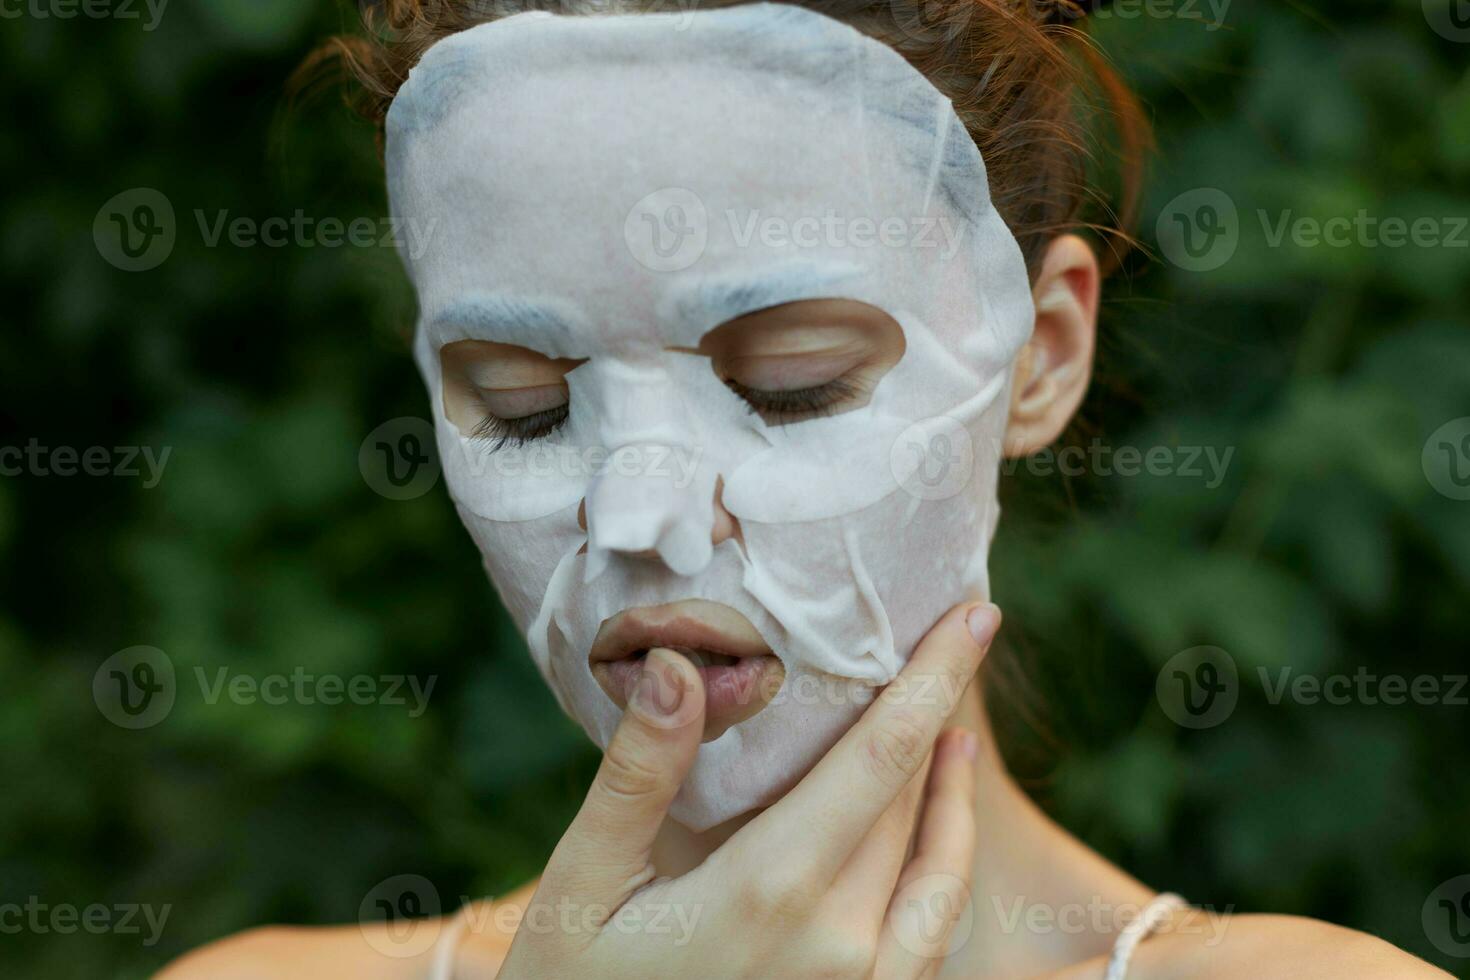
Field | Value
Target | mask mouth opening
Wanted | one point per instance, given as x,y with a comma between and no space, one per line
740,672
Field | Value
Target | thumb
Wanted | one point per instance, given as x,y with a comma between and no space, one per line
604,856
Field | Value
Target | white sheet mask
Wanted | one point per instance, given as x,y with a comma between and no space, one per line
610,187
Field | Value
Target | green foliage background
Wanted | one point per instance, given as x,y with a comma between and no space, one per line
1326,549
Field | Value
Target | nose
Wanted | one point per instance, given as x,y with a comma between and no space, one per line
724,528
627,519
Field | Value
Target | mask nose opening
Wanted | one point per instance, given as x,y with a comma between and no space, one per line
654,502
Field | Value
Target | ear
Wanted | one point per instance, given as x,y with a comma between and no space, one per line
1055,367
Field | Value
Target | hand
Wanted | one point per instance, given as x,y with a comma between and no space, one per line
820,884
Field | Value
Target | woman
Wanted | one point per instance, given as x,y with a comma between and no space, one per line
727,318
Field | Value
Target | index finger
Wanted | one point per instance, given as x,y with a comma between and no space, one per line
606,853
854,783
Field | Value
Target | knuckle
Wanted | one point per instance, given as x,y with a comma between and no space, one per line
895,749
951,677
624,775
844,952
777,893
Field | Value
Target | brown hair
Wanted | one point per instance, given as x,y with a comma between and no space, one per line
1022,74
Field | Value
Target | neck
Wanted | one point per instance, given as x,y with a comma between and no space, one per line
1041,899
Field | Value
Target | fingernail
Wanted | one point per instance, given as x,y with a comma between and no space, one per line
983,621
660,688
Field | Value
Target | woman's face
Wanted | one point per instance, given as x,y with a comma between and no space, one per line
788,363
718,323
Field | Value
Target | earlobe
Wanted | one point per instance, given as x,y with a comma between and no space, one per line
1055,367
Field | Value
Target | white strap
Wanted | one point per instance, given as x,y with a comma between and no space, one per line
1135,932
448,944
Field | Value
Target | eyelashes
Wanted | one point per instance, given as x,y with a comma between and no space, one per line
777,407
516,432
793,404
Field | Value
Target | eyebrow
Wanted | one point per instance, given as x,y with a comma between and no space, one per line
557,328
552,326
690,312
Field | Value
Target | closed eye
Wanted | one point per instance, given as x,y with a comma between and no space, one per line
518,431
805,359
781,406
503,394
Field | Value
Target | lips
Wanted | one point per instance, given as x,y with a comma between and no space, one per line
739,671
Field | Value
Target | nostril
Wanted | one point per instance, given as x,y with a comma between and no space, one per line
724,526
646,515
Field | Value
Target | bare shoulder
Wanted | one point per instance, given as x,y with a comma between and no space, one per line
370,952
1263,947
267,951
1293,946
